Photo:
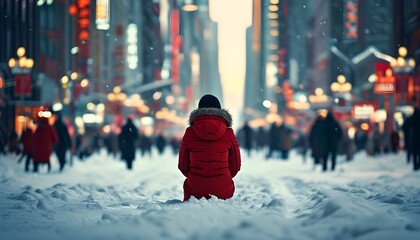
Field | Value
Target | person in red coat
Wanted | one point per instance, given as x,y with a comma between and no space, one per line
45,137
209,154
27,140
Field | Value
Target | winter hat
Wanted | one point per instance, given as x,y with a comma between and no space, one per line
209,101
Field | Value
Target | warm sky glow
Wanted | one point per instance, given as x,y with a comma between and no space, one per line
233,17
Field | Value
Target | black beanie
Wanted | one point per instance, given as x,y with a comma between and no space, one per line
209,101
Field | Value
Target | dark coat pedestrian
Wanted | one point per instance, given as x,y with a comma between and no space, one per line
261,138
413,129
274,143
160,143
13,143
316,140
27,139
45,137
332,137
407,139
64,141
127,141
247,138
285,139
209,155
145,145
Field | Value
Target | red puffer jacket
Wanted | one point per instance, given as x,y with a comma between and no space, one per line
209,154
44,138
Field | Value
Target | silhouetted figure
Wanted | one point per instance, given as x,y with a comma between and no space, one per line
395,141
13,143
407,140
27,140
175,144
285,139
360,139
246,138
316,140
3,140
45,137
160,143
127,142
333,134
302,145
261,139
413,128
274,140
145,145
64,141
209,156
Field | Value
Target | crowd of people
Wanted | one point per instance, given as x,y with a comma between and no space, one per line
35,145
325,139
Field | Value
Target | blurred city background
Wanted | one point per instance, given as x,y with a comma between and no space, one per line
98,61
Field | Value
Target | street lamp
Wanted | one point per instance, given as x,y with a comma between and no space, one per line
341,85
21,67
189,6
403,66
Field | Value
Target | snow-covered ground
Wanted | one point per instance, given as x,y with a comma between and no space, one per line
368,198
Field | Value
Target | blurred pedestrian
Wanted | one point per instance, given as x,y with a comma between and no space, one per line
127,142
285,139
302,144
395,141
160,143
209,156
174,142
64,141
13,143
3,140
45,137
332,135
261,139
407,140
145,145
27,140
413,128
274,143
316,140
246,141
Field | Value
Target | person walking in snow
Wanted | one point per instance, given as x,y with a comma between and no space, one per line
45,137
160,143
27,140
127,142
64,141
413,129
332,135
209,155
247,138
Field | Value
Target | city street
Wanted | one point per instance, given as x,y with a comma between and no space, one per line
367,198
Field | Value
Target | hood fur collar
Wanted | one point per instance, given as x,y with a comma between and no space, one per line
223,113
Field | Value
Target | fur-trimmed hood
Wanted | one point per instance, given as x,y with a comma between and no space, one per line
223,113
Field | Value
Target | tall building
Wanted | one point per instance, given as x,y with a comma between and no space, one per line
18,28
267,55
407,33
343,37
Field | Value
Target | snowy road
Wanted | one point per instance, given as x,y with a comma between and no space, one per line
369,198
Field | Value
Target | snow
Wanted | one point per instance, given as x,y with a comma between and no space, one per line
97,198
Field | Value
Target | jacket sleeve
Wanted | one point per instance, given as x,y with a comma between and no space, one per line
184,154
234,155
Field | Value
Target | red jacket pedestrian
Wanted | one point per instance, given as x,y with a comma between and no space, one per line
209,154
45,137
